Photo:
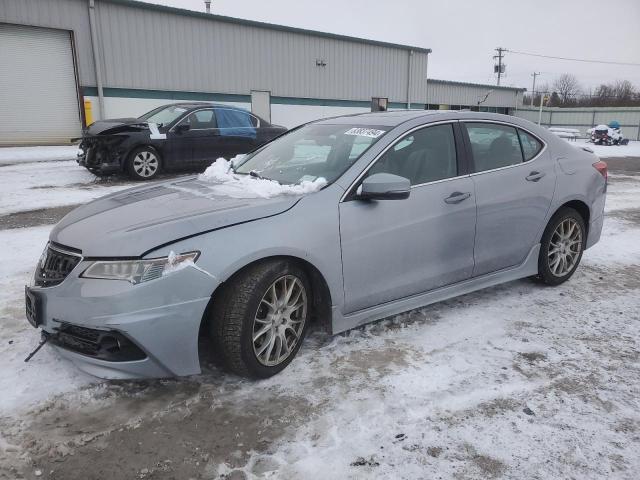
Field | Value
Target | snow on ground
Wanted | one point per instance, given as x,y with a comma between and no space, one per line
11,155
34,185
630,150
24,383
516,381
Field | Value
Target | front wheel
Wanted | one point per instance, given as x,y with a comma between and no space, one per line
259,320
143,163
561,248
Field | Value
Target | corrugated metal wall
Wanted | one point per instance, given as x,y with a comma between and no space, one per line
584,118
145,48
452,93
151,49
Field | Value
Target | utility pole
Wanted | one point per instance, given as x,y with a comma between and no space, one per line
533,88
499,69
542,100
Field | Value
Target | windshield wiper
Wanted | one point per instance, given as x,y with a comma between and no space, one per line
255,174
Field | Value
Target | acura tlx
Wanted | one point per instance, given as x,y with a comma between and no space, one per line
341,221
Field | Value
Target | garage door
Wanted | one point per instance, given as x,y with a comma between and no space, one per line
38,99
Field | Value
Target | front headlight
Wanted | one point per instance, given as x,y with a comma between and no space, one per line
138,271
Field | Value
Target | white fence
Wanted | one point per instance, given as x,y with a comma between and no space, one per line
584,118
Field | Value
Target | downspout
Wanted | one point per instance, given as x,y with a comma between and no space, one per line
409,80
96,56
426,82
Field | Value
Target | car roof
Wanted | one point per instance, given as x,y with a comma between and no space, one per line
192,105
394,118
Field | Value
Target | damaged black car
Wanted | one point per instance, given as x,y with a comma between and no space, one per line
180,136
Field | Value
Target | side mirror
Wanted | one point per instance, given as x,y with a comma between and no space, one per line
183,127
384,186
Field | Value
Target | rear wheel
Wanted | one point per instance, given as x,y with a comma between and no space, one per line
143,163
260,318
561,247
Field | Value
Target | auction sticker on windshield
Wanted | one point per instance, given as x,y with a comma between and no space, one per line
364,132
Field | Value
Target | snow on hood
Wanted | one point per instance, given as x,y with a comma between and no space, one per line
224,182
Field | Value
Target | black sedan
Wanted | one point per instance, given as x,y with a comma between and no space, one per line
180,136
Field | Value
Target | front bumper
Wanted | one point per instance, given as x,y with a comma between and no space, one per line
161,318
101,156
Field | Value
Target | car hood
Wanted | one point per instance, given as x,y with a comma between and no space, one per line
132,222
116,125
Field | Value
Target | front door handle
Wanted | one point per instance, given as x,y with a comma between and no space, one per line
456,197
534,176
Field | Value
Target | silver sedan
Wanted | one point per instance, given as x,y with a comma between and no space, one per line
342,221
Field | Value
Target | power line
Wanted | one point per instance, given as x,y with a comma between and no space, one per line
575,59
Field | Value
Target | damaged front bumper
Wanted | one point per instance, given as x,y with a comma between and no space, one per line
115,330
102,154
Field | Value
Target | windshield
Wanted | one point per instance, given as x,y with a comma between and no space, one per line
163,115
311,152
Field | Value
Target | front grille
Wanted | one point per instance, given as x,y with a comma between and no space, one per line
105,345
54,266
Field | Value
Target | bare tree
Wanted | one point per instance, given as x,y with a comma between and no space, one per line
567,87
624,91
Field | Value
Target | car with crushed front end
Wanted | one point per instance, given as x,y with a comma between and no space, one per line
342,221
178,136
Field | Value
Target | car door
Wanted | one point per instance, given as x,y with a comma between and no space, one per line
192,141
238,131
514,180
396,248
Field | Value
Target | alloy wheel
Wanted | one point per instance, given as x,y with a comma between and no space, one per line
279,321
145,164
565,247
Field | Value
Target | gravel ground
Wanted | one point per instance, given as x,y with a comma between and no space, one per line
516,381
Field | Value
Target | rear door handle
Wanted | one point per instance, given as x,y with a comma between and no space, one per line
534,176
456,197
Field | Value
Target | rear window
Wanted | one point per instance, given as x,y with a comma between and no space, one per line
531,146
493,145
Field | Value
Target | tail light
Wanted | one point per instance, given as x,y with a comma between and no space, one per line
602,168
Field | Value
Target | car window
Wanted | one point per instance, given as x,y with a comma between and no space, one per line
164,115
423,156
493,145
312,151
236,122
531,146
200,119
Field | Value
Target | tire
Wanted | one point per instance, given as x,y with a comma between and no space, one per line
246,310
561,247
144,163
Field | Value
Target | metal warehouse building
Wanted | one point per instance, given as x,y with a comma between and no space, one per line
127,57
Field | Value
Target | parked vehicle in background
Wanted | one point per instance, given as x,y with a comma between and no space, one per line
180,136
607,134
345,220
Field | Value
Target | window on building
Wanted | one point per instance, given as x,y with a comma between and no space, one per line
531,146
423,156
379,104
493,145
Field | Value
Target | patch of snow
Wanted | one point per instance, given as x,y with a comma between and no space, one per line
46,374
11,155
224,182
604,151
176,262
31,186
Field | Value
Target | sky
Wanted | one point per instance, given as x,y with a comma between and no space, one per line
464,33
